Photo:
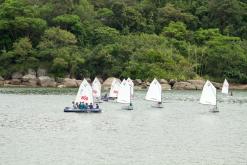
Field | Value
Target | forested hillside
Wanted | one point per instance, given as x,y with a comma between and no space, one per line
171,39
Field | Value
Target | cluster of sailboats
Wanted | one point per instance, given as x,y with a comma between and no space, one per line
123,92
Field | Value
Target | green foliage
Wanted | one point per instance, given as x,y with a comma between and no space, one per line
125,38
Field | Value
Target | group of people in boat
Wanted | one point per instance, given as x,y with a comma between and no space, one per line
83,105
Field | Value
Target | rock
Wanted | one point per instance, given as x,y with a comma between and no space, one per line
163,81
71,83
238,86
7,81
78,82
138,88
28,77
217,85
137,82
197,83
172,82
1,83
147,83
184,86
108,81
61,86
41,72
31,72
46,81
15,82
166,87
31,83
17,75
1,78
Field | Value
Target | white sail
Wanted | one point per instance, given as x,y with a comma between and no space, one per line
154,91
225,87
85,93
208,94
115,85
131,85
96,86
124,92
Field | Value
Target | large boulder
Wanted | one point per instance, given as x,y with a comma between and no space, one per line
71,83
46,81
28,77
166,86
30,80
78,82
163,81
17,75
41,72
15,82
184,86
108,81
1,78
197,83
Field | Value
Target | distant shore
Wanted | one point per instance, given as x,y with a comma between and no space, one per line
46,81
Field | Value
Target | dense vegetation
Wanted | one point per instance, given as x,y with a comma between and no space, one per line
171,39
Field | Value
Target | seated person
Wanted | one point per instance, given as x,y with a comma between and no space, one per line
77,105
91,106
81,105
74,105
86,106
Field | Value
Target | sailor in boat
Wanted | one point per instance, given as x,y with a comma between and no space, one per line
90,106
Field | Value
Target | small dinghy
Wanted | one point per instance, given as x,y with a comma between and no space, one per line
225,87
96,87
115,85
154,94
94,110
124,95
209,96
85,95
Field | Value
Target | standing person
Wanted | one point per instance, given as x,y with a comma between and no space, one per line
97,106
77,105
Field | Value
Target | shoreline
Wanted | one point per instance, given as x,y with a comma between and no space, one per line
31,81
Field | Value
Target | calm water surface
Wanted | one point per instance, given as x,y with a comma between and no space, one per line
35,130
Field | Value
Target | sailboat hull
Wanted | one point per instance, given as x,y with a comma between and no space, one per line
157,106
127,108
94,110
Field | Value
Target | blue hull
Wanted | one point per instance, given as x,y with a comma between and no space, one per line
94,110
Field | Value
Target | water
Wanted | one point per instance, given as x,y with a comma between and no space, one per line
35,130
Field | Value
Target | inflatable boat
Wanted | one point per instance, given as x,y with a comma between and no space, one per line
94,110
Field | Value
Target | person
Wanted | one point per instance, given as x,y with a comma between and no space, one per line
77,105
97,106
131,104
91,106
80,105
86,106
159,103
231,93
73,104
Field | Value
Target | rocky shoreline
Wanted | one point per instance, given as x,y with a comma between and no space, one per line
40,79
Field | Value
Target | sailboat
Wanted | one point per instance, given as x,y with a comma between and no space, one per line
132,86
85,95
114,89
154,93
96,87
124,95
225,87
209,96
